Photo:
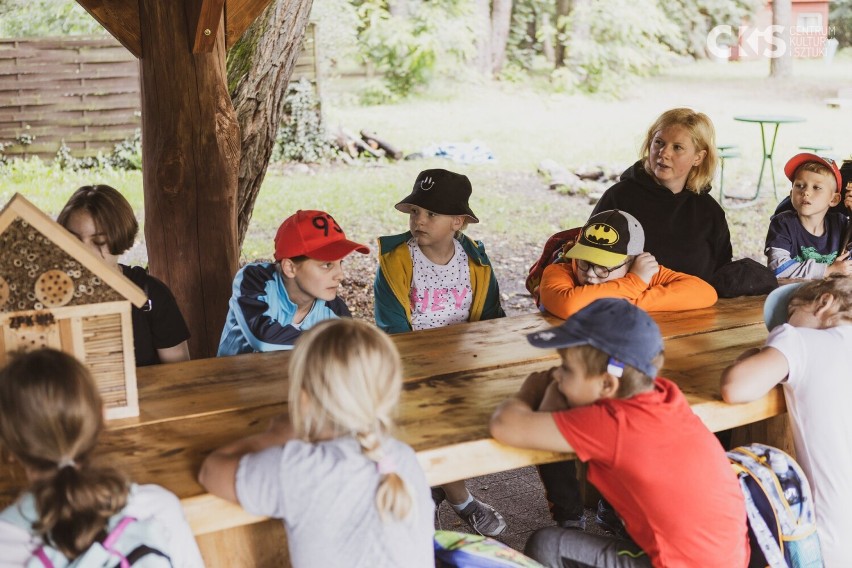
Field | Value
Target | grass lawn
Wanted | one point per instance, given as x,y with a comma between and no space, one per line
521,127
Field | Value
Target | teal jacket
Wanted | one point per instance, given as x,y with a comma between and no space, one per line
393,283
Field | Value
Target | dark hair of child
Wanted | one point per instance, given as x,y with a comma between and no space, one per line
110,211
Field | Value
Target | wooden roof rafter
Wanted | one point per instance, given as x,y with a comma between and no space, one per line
239,14
203,17
120,18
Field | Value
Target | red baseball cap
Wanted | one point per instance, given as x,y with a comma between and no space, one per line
799,159
314,234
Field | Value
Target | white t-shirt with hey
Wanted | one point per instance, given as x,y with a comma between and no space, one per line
440,295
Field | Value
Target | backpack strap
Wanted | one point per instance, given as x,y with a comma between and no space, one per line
113,536
41,555
134,555
144,550
768,545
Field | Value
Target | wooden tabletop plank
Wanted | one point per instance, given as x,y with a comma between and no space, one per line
209,386
437,417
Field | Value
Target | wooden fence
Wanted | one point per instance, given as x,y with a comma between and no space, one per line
83,91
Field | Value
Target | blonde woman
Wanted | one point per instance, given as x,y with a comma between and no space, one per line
348,492
667,190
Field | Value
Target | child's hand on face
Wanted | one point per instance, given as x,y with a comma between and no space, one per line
645,266
841,265
553,399
534,387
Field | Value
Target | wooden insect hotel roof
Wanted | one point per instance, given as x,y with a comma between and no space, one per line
55,292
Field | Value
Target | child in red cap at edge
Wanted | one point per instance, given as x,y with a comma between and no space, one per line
274,302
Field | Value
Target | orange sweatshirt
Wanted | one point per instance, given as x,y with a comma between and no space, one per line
668,291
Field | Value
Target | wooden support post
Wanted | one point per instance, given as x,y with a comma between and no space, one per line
190,154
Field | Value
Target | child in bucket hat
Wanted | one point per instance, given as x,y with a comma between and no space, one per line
608,261
433,276
808,353
645,450
274,302
806,242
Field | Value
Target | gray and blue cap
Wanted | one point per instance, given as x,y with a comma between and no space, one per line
616,327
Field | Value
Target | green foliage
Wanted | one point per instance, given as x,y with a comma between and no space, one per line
337,33
695,18
407,50
840,21
608,44
24,139
33,18
301,136
126,155
626,40
522,47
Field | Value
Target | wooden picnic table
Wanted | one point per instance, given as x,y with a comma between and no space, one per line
454,377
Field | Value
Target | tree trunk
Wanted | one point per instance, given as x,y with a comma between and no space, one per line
259,68
501,18
781,62
190,152
483,36
563,10
547,40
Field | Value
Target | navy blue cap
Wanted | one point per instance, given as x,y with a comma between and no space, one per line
775,306
615,326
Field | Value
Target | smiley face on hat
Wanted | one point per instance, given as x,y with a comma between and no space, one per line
440,191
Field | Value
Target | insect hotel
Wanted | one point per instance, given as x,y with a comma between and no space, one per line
55,292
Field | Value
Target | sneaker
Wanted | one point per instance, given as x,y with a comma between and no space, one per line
483,518
609,521
438,497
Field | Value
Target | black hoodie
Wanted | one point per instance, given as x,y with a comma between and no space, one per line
685,231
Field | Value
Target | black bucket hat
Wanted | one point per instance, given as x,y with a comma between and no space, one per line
440,191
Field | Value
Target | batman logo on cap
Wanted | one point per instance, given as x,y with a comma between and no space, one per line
601,233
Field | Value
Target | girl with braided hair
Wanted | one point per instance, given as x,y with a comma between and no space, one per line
349,493
51,416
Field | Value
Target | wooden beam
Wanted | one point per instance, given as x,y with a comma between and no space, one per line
190,155
203,17
239,14
120,18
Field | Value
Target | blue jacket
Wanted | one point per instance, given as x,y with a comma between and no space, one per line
396,270
260,313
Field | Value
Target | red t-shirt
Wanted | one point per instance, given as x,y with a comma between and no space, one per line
665,474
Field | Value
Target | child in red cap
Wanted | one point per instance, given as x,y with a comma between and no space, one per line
273,302
805,243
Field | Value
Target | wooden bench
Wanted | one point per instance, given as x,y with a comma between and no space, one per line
454,377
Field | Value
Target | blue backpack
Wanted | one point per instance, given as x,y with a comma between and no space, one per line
129,542
782,526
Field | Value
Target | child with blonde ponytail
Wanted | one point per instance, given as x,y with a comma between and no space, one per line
348,492
50,418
